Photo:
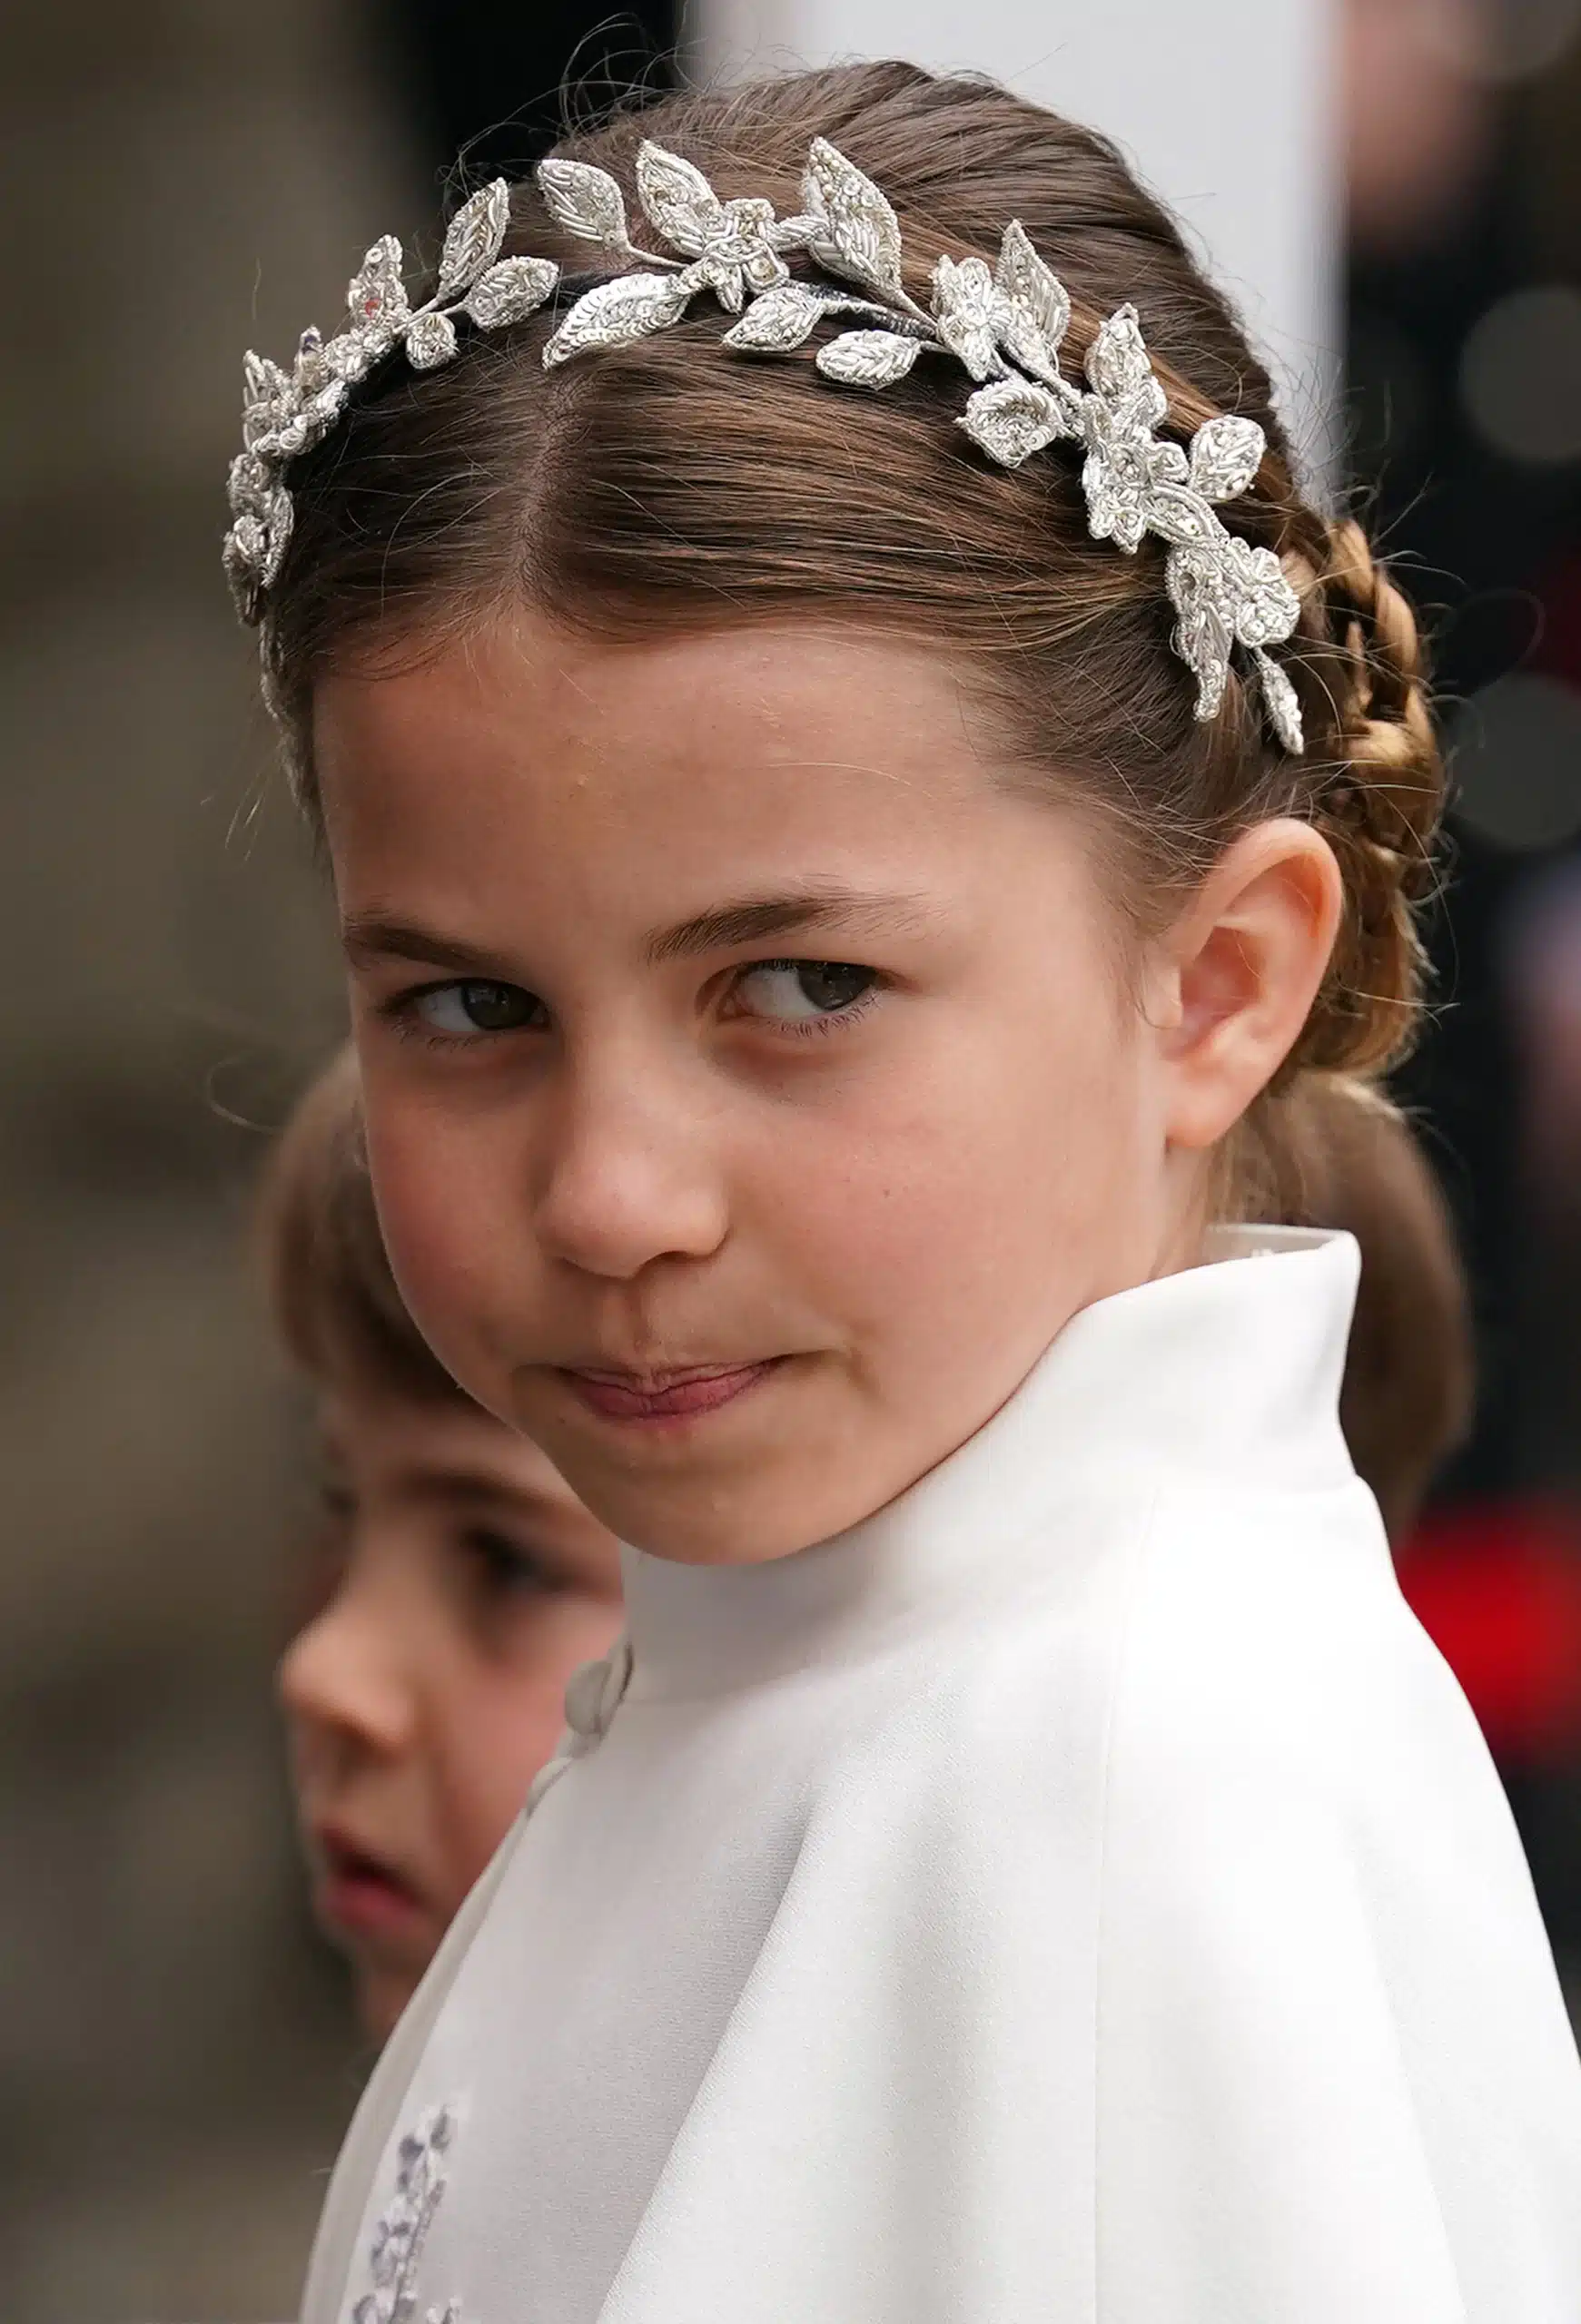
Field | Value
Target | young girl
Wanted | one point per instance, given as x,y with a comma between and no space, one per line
859,791
466,1583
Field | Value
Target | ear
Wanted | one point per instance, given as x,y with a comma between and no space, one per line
1238,973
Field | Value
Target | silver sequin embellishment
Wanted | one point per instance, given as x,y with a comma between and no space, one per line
395,2254
1003,324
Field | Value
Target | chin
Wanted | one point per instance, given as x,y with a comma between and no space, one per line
779,1504
796,1460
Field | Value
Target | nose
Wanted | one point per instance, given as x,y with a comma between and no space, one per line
631,1172
339,1685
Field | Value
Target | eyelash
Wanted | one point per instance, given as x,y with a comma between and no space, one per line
400,1011
507,1568
833,1020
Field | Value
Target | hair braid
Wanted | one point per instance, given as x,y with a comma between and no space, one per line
1380,796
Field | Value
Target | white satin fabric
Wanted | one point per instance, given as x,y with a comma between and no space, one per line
1080,1892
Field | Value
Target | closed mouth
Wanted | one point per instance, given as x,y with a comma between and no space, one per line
675,1394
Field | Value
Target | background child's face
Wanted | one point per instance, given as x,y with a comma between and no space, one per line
721,1014
468,1582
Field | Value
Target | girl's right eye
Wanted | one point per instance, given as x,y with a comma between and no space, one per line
474,1005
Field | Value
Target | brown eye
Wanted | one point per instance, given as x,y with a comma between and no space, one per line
790,992
479,1005
506,1568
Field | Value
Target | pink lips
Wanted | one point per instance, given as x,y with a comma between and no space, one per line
677,1397
360,1896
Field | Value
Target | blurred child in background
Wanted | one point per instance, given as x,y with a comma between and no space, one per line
466,1583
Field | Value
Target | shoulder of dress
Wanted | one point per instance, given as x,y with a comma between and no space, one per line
1255,1638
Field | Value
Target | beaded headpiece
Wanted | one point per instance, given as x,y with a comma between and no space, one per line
1003,324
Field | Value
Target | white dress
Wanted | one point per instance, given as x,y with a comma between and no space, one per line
1080,1895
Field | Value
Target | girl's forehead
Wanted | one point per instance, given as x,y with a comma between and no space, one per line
530,697
645,784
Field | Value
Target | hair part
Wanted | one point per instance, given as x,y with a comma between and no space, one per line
673,486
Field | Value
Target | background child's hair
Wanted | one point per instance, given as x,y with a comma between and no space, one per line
673,485
1350,1161
333,1297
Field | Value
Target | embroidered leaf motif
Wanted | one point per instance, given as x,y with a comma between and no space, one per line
861,240
245,544
1177,516
515,287
1012,418
278,521
753,222
615,313
348,356
1202,633
868,359
1266,606
429,341
1226,453
261,378
1284,710
268,398
473,239
1035,307
248,482
1229,594
1117,362
778,321
966,314
677,198
310,422
584,200
376,295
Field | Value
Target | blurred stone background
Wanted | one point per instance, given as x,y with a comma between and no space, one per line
180,179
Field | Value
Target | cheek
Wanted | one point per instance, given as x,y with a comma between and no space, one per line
443,1195
978,1156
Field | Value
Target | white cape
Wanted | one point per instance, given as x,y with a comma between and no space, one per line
1080,1892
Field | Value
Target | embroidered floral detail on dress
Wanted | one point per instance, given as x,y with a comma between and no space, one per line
395,2254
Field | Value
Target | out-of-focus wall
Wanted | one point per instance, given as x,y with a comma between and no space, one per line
179,179
1225,106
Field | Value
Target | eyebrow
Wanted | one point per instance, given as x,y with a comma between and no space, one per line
368,938
796,911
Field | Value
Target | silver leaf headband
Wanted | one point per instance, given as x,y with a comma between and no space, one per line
1004,324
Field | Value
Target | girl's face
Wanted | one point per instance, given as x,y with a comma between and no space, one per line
424,1697
754,1087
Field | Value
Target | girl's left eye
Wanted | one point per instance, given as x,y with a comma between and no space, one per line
477,1006
804,992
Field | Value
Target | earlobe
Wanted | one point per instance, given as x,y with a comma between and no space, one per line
1249,956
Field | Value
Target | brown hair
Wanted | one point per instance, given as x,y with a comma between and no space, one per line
333,1296
1406,1400
672,484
